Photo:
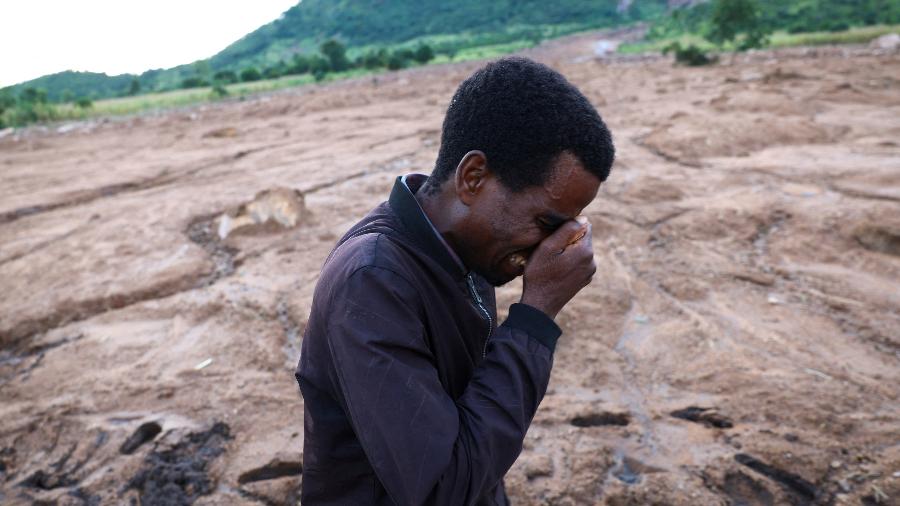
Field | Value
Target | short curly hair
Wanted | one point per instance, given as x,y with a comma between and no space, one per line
522,115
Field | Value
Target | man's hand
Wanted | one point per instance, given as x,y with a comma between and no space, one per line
560,267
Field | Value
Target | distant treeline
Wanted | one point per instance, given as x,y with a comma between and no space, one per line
793,17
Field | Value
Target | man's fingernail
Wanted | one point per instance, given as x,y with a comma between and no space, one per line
581,219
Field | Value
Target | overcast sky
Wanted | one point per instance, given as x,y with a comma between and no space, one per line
39,37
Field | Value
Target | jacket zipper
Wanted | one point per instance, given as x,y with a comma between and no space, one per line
480,305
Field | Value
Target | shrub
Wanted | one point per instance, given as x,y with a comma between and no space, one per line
84,102
225,76
374,59
396,61
299,65
692,55
423,53
194,82
219,90
319,65
250,74
272,72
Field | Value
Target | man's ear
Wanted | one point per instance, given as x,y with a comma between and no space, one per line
472,174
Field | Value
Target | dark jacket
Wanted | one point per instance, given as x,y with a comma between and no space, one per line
412,393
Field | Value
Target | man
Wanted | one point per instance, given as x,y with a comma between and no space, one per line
413,393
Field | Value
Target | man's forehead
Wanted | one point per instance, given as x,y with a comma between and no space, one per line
560,178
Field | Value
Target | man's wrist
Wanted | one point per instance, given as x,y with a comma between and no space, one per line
534,322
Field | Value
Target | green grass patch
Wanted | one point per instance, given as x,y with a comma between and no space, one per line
859,35
179,98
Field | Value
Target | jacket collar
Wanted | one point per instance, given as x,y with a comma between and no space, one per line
403,202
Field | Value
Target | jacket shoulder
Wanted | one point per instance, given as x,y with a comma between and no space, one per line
367,250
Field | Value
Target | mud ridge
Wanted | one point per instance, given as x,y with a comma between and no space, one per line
84,309
399,163
202,231
161,179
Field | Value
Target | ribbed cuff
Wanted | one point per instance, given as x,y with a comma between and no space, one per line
535,323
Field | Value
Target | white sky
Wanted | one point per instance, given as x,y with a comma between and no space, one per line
39,37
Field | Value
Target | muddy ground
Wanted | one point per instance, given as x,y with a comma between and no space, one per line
740,343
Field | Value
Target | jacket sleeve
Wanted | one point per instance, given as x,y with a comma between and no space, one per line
424,446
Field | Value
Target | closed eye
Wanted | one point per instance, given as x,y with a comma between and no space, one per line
549,224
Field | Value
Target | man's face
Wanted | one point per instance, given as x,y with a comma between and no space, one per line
502,222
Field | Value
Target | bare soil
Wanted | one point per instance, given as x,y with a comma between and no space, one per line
740,343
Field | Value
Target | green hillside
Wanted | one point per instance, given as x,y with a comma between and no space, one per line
359,23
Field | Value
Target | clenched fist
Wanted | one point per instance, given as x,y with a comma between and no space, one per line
560,267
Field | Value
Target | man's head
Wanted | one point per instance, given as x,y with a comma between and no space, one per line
522,151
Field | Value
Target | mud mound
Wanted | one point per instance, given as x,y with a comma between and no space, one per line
696,136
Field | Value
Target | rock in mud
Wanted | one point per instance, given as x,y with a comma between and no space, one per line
269,211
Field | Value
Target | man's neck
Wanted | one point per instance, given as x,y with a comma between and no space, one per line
439,208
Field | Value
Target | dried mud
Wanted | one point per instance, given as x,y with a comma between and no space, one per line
739,344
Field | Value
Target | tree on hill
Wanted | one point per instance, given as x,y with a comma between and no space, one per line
336,54
135,87
737,21
319,66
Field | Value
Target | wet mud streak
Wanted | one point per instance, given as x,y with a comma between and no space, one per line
178,476
632,394
623,471
743,490
764,231
291,333
203,233
59,474
795,485
706,416
604,418
11,359
271,471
